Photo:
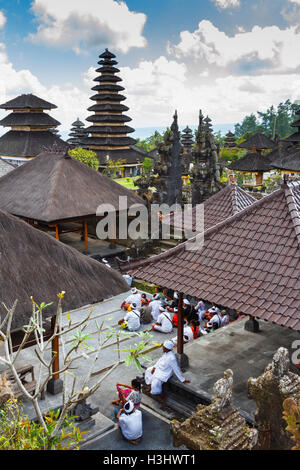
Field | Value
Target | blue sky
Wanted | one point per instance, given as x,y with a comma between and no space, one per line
227,57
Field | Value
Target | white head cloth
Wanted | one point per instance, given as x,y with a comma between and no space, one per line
168,344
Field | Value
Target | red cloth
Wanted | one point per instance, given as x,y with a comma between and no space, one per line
175,319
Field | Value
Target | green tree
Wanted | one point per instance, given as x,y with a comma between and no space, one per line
151,142
249,126
147,165
88,157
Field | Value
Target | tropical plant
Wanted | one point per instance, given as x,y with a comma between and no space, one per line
88,157
291,415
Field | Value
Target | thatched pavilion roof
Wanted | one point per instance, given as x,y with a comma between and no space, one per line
54,187
35,264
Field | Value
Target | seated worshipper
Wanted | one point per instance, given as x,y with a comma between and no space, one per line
159,291
224,318
154,305
200,309
211,327
162,371
131,320
187,309
164,321
134,297
130,423
175,317
145,315
129,392
144,300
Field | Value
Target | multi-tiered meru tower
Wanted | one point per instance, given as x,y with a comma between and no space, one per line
109,129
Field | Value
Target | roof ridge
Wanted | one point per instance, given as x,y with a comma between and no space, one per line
216,227
292,207
233,194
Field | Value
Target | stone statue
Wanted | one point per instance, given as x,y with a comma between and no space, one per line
218,426
269,391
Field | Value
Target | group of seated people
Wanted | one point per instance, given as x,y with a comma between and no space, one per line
162,312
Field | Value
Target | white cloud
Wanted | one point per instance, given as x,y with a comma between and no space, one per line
268,47
2,19
227,3
81,24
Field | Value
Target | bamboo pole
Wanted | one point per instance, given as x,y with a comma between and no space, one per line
56,232
86,241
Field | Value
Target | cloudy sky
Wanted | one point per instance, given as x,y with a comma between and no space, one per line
227,57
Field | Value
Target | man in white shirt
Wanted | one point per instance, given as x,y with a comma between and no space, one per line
164,321
200,309
134,297
224,318
154,306
163,370
132,318
130,422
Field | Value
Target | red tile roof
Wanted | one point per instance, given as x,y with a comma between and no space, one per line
249,262
217,208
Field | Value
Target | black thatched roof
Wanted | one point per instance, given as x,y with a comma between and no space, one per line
107,55
29,119
110,109
28,144
252,162
289,162
108,87
107,97
35,264
293,138
259,141
54,187
27,101
110,129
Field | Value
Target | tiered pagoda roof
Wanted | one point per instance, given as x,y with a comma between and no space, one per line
187,139
109,129
254,161
78,134
30,127
229,140
250,262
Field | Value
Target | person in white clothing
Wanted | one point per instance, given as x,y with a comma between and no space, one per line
200,309
134,297
154,306
164,321
130,422
162,371
132,318
224,318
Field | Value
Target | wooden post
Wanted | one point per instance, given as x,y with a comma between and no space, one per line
55,351
86,241
180,325
56,232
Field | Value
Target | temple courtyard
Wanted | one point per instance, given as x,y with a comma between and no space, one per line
246,353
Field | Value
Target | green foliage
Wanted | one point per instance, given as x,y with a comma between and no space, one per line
114,167
147,165
88,157
18,433
273,182
151,142
231,155
273,121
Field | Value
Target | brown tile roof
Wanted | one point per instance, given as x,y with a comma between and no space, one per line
217,208
250,262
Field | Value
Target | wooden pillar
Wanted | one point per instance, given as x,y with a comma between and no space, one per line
86,241
55,351
180,325
56,232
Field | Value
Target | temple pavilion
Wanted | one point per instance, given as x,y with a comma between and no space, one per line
63,194
254,162
249,262
109,130
31,128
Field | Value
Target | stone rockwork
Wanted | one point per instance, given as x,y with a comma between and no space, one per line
269,391
218,426
169,168
206,171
